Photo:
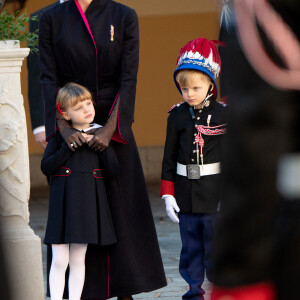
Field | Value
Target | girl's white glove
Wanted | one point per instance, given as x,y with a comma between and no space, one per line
171,207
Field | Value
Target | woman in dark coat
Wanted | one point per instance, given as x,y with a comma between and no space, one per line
99,49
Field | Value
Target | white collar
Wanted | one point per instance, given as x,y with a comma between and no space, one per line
92,126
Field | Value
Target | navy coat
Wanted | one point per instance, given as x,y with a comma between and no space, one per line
78,207
68,53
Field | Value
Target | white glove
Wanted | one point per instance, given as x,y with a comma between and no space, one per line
171,207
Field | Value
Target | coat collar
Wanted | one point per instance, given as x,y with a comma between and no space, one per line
92,126
97,4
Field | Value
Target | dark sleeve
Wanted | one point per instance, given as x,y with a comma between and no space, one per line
48,73
55,155
110,161
129,69
35,98
223,136
169,163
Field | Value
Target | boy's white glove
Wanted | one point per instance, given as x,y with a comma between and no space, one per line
171,207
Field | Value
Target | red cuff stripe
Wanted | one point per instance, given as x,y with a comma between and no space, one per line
166,188
260,291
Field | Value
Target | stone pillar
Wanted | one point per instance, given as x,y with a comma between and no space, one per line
21,245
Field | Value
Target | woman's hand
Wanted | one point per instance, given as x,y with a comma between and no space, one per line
40,138
101,139
103,135
74,138
71,136
87,137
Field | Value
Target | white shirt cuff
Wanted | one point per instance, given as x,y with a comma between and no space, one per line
38,129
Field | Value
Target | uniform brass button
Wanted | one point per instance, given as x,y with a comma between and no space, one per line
194,143
200,111
67,171
195,134
192,159
196,125
198,118
194,151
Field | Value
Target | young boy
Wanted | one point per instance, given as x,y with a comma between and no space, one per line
191,164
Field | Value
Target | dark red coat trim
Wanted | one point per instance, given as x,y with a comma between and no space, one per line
64,172
95,173
117,135
89,30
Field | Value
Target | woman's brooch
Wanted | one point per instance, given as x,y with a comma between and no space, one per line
112,32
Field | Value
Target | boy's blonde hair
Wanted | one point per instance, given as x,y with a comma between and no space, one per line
183,76
71,94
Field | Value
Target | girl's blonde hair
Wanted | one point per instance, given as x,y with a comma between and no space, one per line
183,76
71,94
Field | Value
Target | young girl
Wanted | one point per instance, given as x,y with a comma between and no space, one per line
78,208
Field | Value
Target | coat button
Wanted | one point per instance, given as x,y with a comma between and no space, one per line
198,118
195,134
67,171
194,151
192,159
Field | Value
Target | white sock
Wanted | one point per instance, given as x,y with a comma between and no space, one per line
59,264
77,270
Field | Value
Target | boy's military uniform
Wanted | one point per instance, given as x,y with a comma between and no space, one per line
191,167
194,195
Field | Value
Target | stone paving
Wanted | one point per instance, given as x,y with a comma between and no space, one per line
168,237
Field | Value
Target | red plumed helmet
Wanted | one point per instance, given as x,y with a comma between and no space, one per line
200,54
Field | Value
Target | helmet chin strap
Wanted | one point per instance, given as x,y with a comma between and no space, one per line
207,95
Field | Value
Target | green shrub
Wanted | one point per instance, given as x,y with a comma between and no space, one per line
13,27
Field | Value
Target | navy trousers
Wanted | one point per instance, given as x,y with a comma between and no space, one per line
197,234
